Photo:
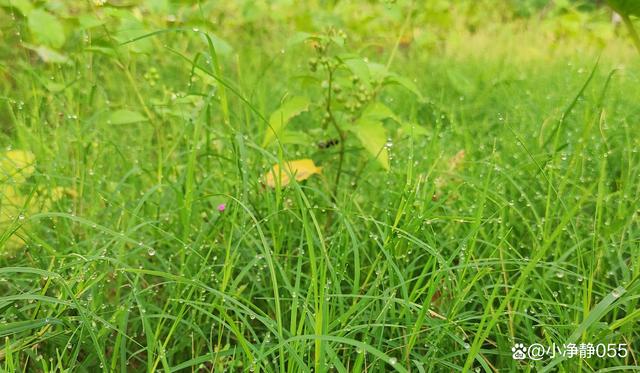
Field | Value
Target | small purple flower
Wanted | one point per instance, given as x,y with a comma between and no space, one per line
222,206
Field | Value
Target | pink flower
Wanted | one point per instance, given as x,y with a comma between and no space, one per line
222,206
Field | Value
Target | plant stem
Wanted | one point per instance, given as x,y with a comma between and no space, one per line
341,134
343,137
632,31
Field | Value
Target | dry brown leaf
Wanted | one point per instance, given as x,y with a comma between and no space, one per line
453,164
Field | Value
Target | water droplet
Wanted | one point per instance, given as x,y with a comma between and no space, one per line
616,293
151,252
393,361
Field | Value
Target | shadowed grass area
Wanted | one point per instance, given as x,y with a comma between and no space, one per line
145,238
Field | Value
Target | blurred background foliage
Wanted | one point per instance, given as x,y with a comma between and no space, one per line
56,23
251,37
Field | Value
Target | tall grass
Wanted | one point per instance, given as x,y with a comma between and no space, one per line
529,235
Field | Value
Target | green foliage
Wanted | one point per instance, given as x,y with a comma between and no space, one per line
349,86
279,118
628,7
296,186
125,117
373,137
46,29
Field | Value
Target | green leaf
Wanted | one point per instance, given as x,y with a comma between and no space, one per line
413,129
46,29
373,137
359,68
295,138
378,72
132,29
24,6
404,82
222,47
299,37
88,21
279,118
626,7
125,117
377,111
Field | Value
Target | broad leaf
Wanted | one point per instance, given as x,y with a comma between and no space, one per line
125,117
295,137
413,129
373,137
300,169
46,29
359,68
88,21
378,71
279,118
299,37
378,111
627,7
133,32
404,82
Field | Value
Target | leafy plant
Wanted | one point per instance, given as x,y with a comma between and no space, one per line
350,107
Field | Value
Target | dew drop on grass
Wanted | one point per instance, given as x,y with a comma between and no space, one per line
393,361
560,274
151,251
616,293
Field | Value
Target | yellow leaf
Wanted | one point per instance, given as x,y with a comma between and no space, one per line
301,169
11,203
17,165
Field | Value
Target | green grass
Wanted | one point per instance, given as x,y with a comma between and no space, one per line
439,265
